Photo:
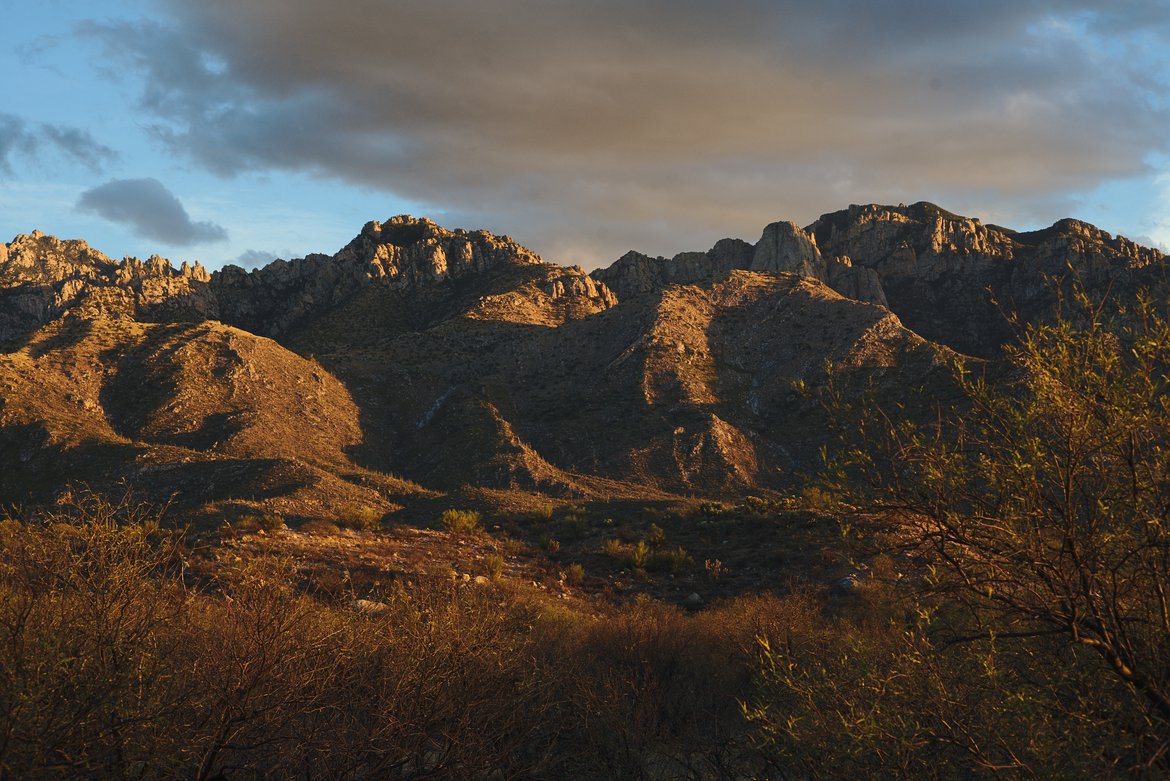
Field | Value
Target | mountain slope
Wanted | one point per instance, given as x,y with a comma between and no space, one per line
457,358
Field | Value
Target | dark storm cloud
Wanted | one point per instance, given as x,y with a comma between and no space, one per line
20,137
584,128
150,210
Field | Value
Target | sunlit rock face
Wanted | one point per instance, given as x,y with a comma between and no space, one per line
42,277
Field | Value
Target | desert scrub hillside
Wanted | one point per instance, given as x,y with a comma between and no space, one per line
118,663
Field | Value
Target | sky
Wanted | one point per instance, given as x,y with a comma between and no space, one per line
237,131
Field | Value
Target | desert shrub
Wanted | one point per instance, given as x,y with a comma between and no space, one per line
815,497
1029,513
551,545
361,518
652,692
639,554
673,560
614,548
542,512
459,521
714,568
9,527
654,514
492,565
89,602
319,527
844,699
716,510
757,505
574,574
512,546
655,535
253,524
574,514
114,665
114,668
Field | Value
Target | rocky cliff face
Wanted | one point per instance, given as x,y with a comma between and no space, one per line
400,254
954,280
783,248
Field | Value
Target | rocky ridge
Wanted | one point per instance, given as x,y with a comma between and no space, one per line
950,278
43,277
783,247
459,358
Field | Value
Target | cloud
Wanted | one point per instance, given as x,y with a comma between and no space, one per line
20,137
150,210
254,258
1149,241
591,127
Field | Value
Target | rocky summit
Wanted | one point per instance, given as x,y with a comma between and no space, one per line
418,360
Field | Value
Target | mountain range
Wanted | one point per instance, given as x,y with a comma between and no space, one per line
419,360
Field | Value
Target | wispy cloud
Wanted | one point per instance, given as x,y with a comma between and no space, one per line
21,137
150,210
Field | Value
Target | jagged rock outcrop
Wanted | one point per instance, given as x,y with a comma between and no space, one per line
42,277
635,274
950,278
784,248
401,254
856,282
953,279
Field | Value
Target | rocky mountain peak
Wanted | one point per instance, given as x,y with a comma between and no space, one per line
786,247
406,251
42,277
40,259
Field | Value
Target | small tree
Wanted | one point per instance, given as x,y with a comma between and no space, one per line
1040,505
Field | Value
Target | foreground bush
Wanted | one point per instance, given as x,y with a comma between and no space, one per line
114,666
1029,524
